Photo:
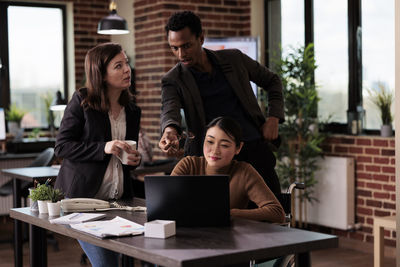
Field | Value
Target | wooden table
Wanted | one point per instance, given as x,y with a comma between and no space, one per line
28,174
212,246
380,223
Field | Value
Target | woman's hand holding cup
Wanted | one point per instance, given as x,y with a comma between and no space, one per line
125,151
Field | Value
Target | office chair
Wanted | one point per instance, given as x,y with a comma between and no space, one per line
285,200
45,158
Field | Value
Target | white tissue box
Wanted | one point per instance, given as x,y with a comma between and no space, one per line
159,229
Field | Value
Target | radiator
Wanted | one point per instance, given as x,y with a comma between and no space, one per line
335,194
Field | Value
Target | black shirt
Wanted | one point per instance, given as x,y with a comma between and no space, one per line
219,99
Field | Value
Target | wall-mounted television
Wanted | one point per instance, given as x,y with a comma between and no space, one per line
248,46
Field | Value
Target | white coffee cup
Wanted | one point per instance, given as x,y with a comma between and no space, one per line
124,155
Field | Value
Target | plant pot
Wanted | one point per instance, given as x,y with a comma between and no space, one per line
386,130
13,127
15,130
42,204
33,204
54,208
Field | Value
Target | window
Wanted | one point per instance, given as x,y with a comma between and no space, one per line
36,59
377,53
347,64
292,24
331,55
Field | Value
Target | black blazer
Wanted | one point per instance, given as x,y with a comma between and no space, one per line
80,142
179,90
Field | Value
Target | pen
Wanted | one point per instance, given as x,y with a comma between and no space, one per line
48,181
75,216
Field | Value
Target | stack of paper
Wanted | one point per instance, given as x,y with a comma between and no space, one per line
78,218
115,227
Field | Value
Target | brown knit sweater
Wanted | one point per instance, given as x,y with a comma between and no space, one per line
245,184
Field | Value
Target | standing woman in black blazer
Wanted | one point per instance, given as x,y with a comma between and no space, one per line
96,122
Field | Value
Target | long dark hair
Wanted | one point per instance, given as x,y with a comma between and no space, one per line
229,126
96,62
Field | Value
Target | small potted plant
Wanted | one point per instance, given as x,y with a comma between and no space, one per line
14,116
41,195
54,206
383,99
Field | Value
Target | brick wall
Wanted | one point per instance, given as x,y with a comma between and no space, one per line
375,181
220,18
87,14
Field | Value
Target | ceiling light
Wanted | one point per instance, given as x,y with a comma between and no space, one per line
112,24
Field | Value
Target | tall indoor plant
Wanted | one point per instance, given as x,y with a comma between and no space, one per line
301,139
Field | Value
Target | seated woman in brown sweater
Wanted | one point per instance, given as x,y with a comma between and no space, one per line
222,142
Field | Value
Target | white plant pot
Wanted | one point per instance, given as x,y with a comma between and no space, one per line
54,208
13,127
15,130
386,130
42,204
33,204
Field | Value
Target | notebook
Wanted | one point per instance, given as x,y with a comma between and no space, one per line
115,227
190,200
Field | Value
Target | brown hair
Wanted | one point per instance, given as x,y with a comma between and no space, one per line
96,62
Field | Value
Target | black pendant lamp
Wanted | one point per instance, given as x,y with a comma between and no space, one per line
112,24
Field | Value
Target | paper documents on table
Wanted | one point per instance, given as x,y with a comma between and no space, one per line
115,227
77,217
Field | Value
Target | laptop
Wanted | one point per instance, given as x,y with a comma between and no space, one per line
189,200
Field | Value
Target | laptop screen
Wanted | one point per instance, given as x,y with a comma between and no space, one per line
190,200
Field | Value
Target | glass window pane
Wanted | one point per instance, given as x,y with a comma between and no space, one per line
36,59
292,24
378,53
331,54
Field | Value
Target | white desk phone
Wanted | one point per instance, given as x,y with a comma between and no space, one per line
92,204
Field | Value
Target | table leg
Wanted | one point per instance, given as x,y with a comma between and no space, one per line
303,259
127,261
378,245
18,260
37,246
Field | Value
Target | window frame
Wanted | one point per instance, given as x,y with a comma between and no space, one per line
4,50
355,91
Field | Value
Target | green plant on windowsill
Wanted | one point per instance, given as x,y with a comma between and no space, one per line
383,99
41,192
15,114
35,133
48,99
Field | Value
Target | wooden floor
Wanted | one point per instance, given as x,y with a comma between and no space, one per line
69,254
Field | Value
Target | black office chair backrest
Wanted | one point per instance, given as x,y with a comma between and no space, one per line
43,159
